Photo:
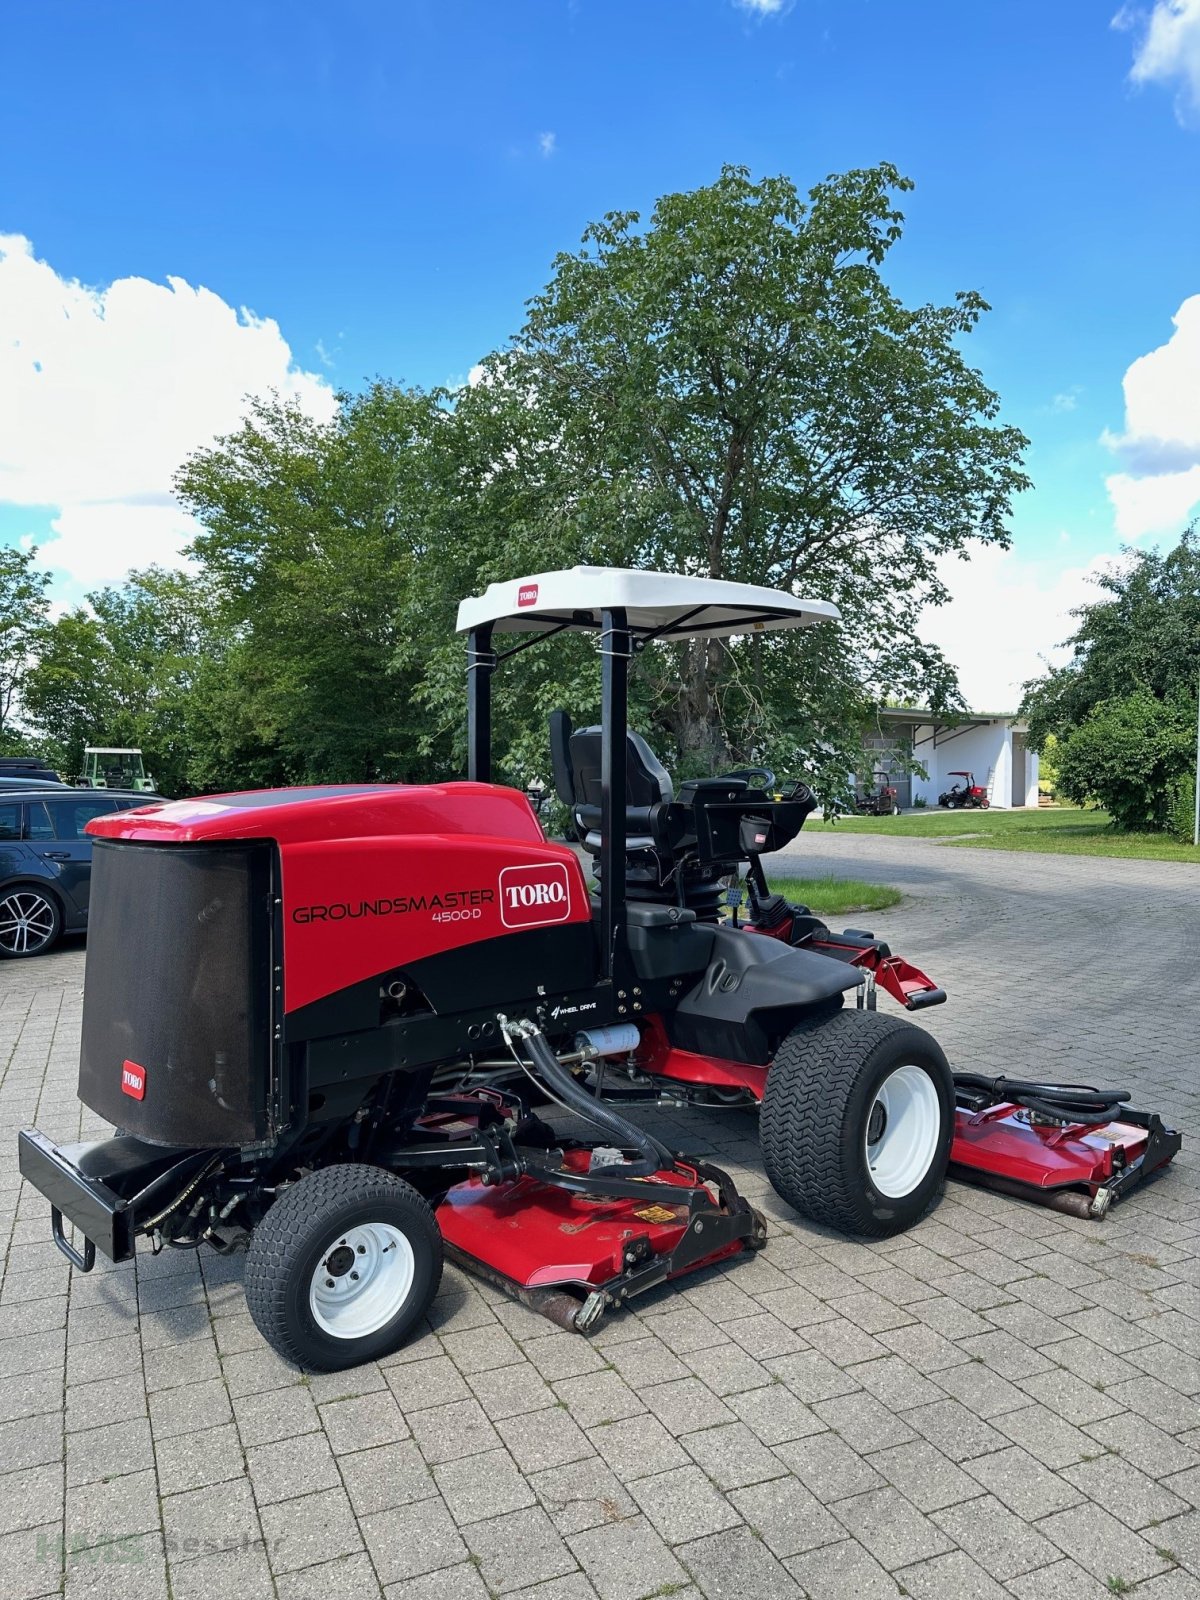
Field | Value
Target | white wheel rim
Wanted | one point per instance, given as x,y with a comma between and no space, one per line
363,1278
26,922
905,1119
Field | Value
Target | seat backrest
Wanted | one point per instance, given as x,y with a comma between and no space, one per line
560,757
647,781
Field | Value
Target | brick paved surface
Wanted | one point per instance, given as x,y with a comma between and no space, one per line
1003,1402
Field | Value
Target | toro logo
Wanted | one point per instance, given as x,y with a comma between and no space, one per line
133,1080
527,594
531,896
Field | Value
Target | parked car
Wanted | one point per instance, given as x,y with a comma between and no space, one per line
27,767
8,782
46,862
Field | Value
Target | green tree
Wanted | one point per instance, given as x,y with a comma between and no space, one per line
311,535
127,669
1131,681
1128,755
730,390
1141,632
24,607
733,390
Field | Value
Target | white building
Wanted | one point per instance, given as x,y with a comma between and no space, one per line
991,745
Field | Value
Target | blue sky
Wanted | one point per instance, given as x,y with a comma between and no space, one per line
388,182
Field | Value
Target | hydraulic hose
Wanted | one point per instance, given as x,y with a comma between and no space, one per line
561,1086
1066,1102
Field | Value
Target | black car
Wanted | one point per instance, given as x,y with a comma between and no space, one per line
46,862
27,767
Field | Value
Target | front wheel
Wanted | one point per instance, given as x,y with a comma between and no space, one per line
857,1120
342,1267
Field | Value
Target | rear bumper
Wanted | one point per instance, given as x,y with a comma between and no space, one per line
106,1190
85,1202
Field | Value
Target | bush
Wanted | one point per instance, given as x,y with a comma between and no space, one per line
1181,817
919,802
1129,756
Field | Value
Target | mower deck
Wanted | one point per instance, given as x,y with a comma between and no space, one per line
574,1256
1077,1167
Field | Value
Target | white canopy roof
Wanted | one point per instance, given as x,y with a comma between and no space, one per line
664,604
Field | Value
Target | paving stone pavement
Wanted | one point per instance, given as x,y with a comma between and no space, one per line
1003,1402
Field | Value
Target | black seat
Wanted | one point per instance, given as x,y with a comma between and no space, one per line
677,850
576,760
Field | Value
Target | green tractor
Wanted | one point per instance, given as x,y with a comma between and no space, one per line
114,767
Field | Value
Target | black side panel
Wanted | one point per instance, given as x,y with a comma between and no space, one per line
178,983
503,972
752,992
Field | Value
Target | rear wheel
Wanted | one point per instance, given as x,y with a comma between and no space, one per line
857,1120
30,921
342,1267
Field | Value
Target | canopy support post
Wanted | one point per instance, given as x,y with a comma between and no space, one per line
481,663
616,647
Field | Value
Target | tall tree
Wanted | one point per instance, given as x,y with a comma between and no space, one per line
1141,632
126,669
24,607
311,534
730,390
734,390
1123,710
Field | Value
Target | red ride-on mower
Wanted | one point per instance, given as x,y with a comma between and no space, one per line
879,799
963,796
327,1018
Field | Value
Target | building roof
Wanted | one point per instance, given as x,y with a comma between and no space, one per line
923,715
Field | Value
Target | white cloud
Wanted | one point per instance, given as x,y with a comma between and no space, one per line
764,8
104,392
1008,615
1066,401
1161,504
1168,50
547,143
1160,448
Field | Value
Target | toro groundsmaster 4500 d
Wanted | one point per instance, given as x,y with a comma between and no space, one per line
325,1020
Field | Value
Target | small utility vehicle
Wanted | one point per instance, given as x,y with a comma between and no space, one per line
879,798
114,767
962,796
326,1018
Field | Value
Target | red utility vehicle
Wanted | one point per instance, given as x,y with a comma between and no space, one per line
326,1019
961,795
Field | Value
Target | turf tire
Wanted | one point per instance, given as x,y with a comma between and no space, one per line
820,1090
296,1232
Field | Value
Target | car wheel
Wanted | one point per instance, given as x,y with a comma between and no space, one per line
30,921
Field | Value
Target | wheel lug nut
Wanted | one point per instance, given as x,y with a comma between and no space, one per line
329,1283
354,1275
362,1249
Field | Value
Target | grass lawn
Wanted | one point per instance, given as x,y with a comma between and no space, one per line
834,896
1057,830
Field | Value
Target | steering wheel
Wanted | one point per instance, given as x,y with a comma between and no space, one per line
764,776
